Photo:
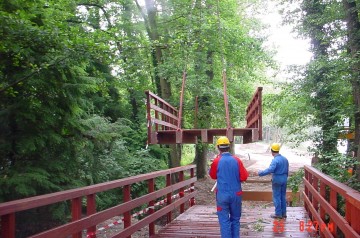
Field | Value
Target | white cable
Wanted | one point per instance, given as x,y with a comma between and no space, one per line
213,188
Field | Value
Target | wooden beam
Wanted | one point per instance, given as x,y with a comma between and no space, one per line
267,196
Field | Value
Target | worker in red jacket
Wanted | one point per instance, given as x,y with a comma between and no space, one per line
229,172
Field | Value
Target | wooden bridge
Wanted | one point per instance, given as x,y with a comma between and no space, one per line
331,210
164,123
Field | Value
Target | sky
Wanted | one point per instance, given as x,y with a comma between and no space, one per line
291,50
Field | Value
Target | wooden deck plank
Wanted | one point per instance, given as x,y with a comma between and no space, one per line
202,222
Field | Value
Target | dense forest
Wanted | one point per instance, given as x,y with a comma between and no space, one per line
73,76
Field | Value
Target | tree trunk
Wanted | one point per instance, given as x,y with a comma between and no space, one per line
327,116
353,27
162,84
201,151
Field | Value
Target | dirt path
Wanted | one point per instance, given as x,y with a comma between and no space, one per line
255,157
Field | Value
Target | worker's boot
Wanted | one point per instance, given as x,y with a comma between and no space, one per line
276,216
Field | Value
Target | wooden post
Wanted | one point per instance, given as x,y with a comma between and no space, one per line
352,212
127,215
76,213
181,191
315,185
192,174
333,203
322,210
168,197
8,225
148,117
151,188
91,209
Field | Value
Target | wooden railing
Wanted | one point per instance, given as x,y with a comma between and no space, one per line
254,112
323,197
178,195
164,123
161,116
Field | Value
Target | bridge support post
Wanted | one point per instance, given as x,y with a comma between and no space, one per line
91,209
76,213
151,188
127,215
8,225
181,192
168,197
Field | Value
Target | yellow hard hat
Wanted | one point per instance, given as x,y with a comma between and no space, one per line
223,140
275,147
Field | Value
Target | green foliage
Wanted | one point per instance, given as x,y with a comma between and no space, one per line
72,82
319,96
337,166
188,154
25,183
295,180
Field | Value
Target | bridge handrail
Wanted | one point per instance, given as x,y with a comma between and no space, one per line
93,218
161,113
320,196
254,112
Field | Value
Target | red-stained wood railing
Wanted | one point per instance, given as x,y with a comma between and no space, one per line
175,193
321,202
161,116
254,112
164,122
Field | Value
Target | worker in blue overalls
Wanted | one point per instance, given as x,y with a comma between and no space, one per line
279,168
229,172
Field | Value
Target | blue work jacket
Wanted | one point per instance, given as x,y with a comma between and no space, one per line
279,168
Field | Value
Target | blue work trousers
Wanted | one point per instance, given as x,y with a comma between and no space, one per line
229,213
279,198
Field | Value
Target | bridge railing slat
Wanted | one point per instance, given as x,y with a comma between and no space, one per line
321,199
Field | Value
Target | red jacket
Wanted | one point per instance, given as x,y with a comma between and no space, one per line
229,172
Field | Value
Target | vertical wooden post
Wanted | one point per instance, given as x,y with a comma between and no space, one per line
259,95
76,213
315,184
151,188
148,117
168,197
181,191
127,215
157,103
192,174
196,112
352,212
333,203
8,225
307,178
181,100
91,209
226,100
322,210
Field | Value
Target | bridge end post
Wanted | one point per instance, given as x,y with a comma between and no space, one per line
8,225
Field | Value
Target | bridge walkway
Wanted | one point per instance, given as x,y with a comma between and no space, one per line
201,221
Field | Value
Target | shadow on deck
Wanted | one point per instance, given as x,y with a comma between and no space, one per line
201,222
